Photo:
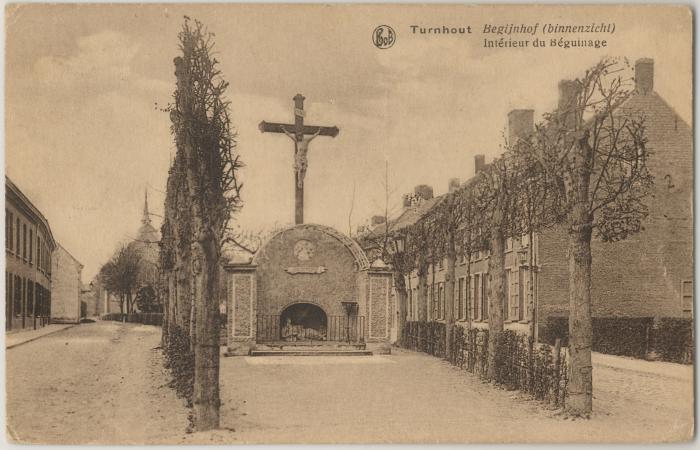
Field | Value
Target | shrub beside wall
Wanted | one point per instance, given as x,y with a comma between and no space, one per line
179,358
144,318
540,371
672,340
668,339
622,335
427,337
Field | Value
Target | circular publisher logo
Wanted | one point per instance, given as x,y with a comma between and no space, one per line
383,36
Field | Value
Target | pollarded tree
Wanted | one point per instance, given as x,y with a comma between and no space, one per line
497,199
471,236
205,147
417,246
443,220
456,223
595,149
538,206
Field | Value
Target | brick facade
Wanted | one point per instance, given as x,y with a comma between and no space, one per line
280,289
643,275
28,247
647,275
307,265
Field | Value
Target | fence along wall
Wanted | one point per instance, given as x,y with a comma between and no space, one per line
539,370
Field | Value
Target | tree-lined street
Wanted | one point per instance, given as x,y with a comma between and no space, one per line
118,394
540,218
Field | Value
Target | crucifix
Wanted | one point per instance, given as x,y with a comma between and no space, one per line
301,135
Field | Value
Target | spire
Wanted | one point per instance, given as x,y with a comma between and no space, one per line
146,216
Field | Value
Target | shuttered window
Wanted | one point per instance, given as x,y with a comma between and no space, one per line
460,299
687,295
17,238
476,297
513,294
485,296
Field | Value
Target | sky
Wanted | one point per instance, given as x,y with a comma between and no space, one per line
84,137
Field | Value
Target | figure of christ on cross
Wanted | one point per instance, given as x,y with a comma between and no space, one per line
301,135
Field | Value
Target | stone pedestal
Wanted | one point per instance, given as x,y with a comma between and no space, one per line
241,307
379,310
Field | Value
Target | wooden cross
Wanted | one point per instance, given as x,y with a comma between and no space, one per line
301,135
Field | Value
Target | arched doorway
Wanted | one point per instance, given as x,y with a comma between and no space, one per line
303,322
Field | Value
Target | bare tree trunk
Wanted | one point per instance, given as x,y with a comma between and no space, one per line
470,288
580,387
431,311
401,298
130,303
184,304
172,295
450,294
532,314
497,295
409,289
165,292
352,206
206,373
194,298
204,268
422,290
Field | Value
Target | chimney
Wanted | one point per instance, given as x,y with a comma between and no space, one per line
644,75
568,90
406,201
521,122
479,163
376,220
424,191
453,185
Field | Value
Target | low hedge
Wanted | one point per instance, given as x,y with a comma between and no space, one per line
672,339
144,318
519,364
668,339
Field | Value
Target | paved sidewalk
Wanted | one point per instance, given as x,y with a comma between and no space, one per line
661,368
22,337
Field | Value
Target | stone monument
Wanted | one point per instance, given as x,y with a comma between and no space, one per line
309,285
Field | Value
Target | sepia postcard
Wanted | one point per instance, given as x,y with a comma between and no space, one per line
348,223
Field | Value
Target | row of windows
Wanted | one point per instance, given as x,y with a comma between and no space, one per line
524,242
472,297
25,298
19,240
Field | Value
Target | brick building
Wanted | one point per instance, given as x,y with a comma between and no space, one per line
650,274
66,285
29,245
308,283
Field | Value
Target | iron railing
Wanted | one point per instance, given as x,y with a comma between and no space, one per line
269,328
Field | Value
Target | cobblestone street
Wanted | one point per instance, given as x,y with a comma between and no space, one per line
115,386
